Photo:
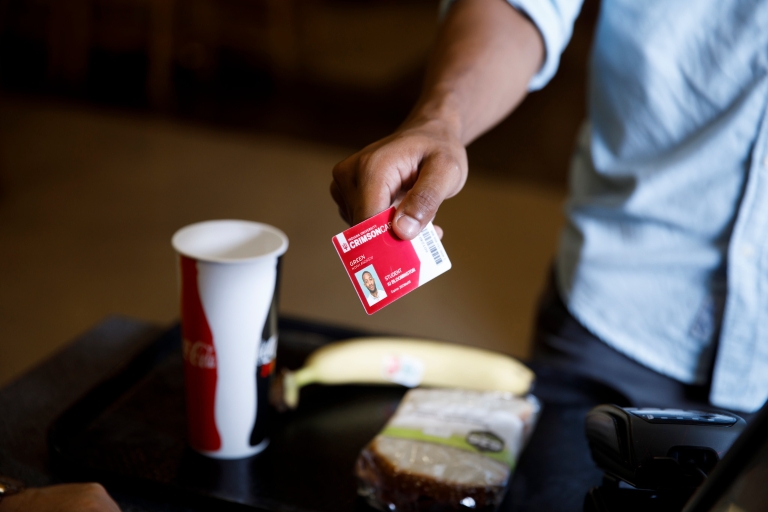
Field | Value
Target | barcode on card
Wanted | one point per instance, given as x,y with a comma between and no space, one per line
432,246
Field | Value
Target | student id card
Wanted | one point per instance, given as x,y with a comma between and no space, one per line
383,267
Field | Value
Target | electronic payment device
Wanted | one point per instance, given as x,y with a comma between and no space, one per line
655,459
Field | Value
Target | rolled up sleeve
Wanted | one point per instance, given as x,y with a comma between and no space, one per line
554,19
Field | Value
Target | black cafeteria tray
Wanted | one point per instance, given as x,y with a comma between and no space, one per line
129,432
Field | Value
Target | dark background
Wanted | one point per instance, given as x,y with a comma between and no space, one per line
305,68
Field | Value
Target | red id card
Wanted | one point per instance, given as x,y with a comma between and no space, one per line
383,267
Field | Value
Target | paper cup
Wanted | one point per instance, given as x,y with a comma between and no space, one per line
229,273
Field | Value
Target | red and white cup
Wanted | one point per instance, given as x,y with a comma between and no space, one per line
229,273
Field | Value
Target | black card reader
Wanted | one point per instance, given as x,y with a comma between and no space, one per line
659,449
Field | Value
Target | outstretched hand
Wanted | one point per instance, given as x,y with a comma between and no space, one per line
61,498
483,60
417,168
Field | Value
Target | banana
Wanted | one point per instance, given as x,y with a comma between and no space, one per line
410,362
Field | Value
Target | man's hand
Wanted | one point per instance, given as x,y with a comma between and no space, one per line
484,58
419,166
61,498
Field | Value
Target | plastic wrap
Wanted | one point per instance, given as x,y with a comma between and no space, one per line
446,449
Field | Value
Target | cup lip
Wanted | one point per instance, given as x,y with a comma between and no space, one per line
214,259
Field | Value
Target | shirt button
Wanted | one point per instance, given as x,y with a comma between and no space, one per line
748,251
765,162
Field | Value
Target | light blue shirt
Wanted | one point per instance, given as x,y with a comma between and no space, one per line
665,253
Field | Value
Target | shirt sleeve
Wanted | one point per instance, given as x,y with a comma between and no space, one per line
554,19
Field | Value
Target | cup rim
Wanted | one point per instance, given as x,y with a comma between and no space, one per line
175,241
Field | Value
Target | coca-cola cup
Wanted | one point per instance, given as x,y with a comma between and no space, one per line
229,272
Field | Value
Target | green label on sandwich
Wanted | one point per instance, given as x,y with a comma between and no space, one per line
485,443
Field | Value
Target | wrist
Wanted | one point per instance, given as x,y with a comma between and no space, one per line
438,112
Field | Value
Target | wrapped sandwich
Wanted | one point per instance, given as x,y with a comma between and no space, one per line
446,449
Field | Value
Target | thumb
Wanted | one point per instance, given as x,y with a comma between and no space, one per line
437,181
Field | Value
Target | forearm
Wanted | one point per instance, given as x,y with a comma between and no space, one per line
485,55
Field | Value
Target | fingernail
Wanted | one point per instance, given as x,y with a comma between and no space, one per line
408,226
